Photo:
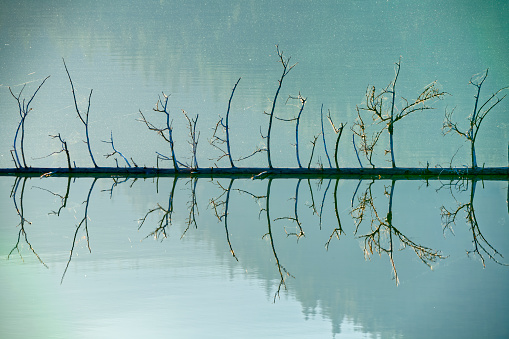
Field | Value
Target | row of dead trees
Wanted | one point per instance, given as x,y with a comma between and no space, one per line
382,109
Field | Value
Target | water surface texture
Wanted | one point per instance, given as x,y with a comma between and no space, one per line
209,257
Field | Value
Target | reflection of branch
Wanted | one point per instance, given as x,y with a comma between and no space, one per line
116,182
323,202
481,245
312,206
62,198
165,220
295,218
83,221
338,230
381,237
22,220
283,273
192,205
218,203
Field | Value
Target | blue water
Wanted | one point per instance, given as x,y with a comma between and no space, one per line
189,284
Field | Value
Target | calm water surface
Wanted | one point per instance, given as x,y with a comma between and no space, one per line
249,277
135,282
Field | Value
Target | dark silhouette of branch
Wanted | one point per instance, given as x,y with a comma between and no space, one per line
338,230
313,149
83,222
23,221
218,203
286,69
339,132
323,137
300,232
165,220
116,182
217,141
162,107
302,103
192,206
283,273
115,151
323,201
63,198
24,109
63,149
83,116
195,136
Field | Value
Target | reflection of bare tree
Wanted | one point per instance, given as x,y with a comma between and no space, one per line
83,222
165,221
299,231
23,221
63,198
283,273
167,213
382,235
481,245
217,203
338,230
192,205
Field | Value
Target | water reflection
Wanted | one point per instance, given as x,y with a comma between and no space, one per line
481,246
372,217
297,220
378,237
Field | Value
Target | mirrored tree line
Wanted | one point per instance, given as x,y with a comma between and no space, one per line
370,218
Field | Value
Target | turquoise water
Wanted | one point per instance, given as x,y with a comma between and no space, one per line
144,275
189,284
129,53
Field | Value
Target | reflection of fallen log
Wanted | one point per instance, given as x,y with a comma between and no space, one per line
491,173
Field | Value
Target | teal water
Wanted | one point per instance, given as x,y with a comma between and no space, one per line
129,53
245,276
189,284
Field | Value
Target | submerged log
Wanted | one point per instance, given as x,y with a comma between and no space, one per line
490,173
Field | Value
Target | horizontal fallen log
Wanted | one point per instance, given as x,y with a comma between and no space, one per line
489,173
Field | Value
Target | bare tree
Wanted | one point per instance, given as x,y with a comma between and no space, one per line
115,151
285,62
83,116
217,141
382,106
480,112
24,109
